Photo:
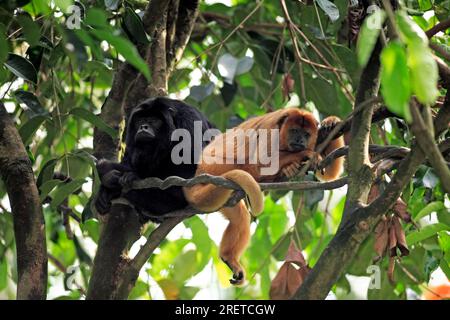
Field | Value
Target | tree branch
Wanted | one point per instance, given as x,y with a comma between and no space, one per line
343,247
29,225
111,276
358,162
424,136
441,26
187,15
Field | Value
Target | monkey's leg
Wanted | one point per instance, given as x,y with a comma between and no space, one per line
335,169
235,240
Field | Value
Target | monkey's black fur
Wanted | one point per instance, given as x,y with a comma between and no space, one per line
151,158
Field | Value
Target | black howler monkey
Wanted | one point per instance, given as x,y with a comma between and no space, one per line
148,154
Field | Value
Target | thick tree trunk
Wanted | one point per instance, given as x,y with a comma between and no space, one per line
119,231
114,274
29,226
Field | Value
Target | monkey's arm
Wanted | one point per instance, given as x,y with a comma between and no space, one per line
110,174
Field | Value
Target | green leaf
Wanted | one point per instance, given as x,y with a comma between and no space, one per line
138,291
47,171
201,239
21,67
330,9
125,48
444,241
445,266
3,273
96,18
395,83
434,206
29,128
424,73
425,233
64,190
95,120
92,227
368,36
31,101
185,266
64,4
47,187
30,29
3,44
134,27
411,30
87,213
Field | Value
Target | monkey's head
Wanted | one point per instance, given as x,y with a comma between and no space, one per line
298,130
147,128
151,124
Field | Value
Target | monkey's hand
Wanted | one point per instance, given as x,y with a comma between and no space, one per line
127,179
315,160
291,170
111,179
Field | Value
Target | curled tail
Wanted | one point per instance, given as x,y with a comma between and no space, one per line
209,197
335,168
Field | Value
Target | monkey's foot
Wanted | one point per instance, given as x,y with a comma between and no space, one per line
238,273
238,278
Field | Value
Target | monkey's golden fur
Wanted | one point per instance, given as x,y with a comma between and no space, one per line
209,198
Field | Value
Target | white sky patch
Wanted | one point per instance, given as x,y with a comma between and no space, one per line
225,2
137,246
358,287
5,203
86,142
387,125
180,231
18,83
87,187
280,19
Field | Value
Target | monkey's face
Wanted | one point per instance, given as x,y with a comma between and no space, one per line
298,131
297,139
147,129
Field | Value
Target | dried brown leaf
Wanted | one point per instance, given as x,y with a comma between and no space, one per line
287,85
400,209
290,276
295,255
391,270
392,240
400,236
381,239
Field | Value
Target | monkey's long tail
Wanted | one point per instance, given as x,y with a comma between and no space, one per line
210,198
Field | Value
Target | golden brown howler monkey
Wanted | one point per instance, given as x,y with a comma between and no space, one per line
298,131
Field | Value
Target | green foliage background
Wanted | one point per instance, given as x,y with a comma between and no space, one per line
54,80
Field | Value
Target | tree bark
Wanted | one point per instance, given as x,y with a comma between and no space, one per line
119,232
114,274
29,225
